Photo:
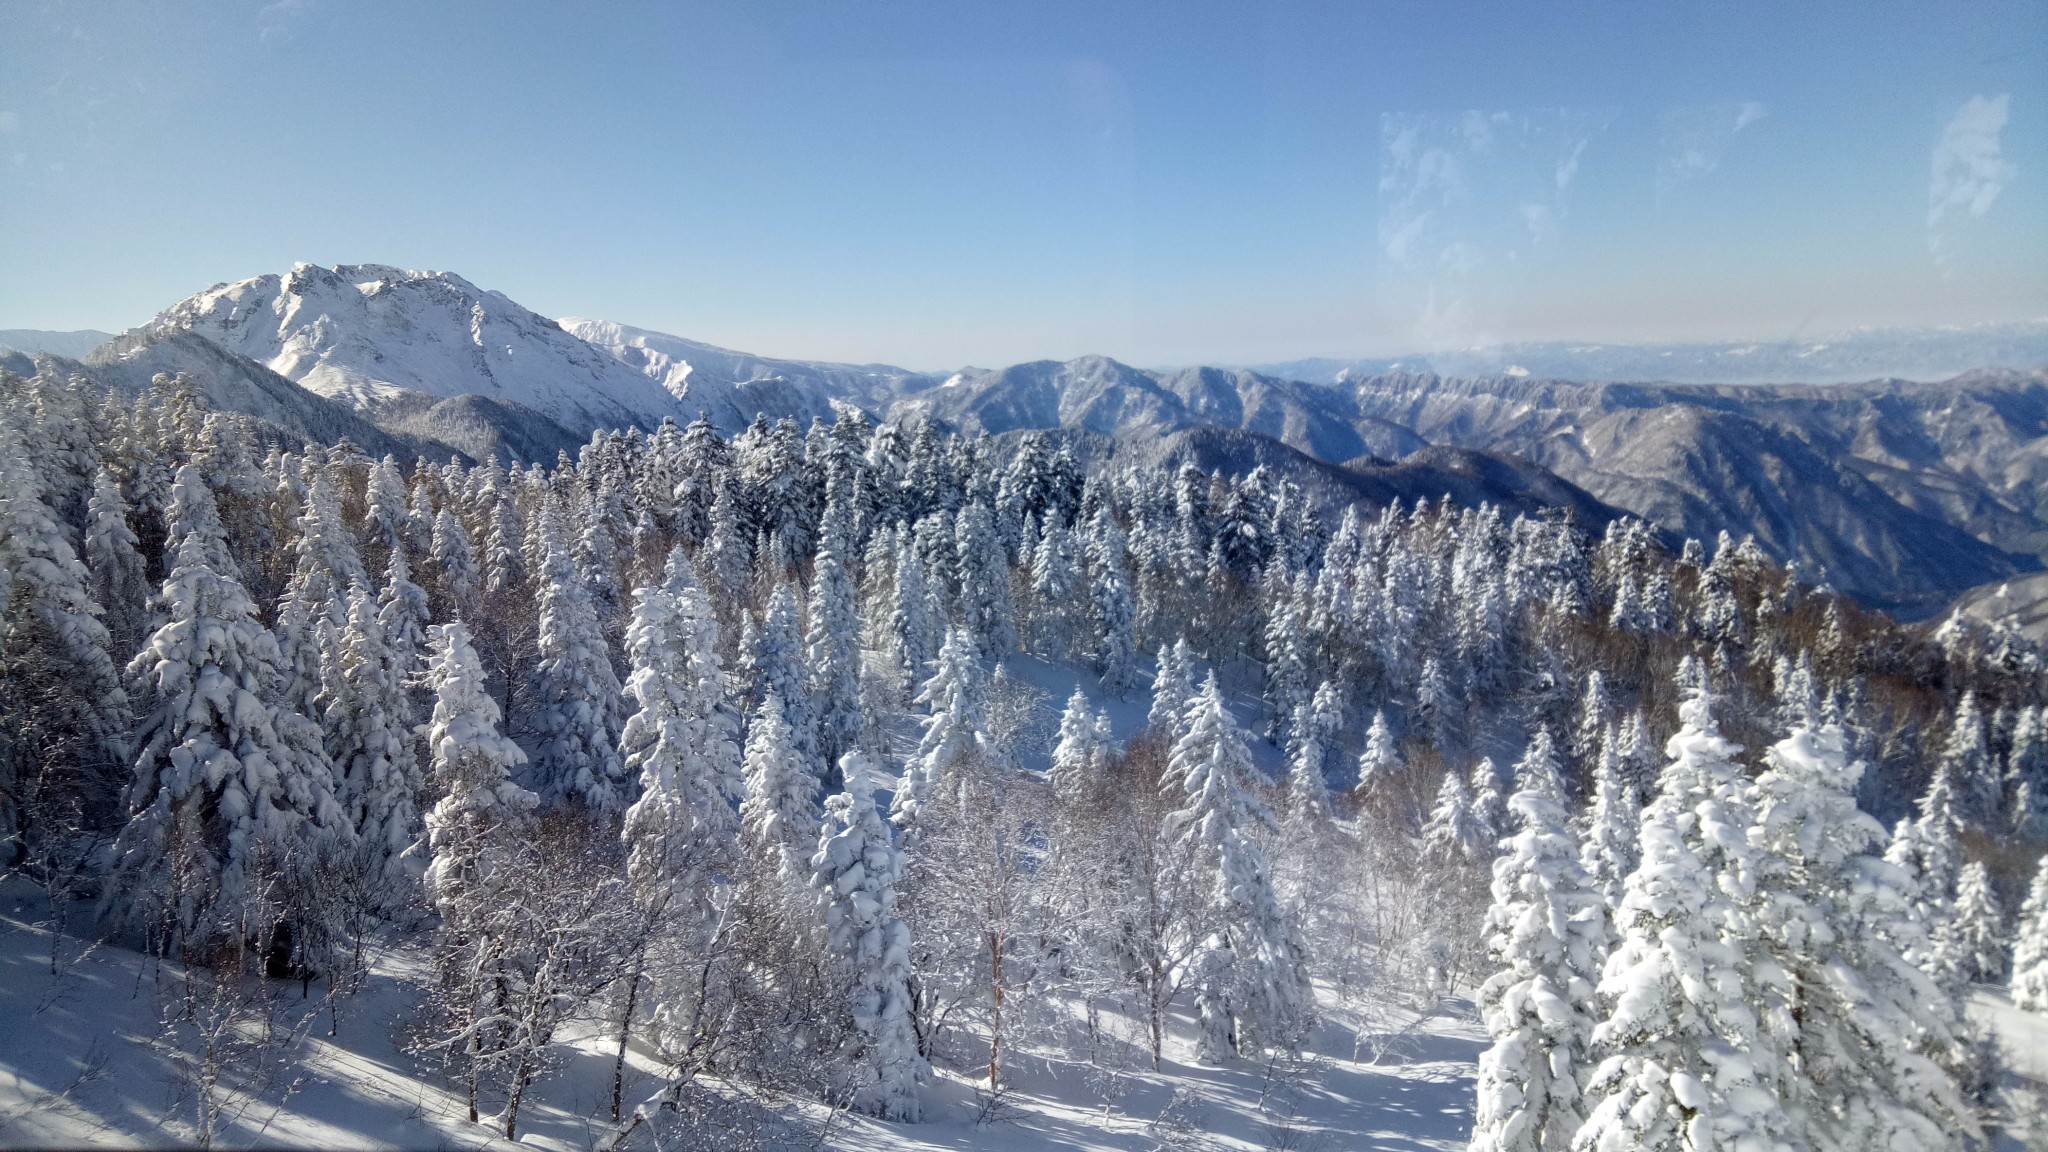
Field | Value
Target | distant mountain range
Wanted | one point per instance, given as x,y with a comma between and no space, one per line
1902,493
1924,354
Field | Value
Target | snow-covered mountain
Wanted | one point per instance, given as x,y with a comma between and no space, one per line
731,387
369,332
1904,494
1102,395
1924,354
35,341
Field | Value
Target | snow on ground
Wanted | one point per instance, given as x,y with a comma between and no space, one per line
84,1060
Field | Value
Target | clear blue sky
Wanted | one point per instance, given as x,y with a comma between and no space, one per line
934,184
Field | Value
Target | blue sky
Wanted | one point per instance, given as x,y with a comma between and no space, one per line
948,183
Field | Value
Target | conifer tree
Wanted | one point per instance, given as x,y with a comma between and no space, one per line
855,871
916,619
679,742
833,646
1538,770
1172,689
372,744
779,817
1861,1021
1251,987
577,699
1451,833
228,816
1077,758
1489,808
1612,826
1546,933
1380,766
115,565
455,561
2030,946
774,663
1971,945
1685,1062
955,730
63,715
985,602
1116,650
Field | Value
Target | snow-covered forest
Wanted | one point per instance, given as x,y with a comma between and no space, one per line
740,756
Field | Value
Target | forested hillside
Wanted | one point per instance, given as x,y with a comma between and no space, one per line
735,753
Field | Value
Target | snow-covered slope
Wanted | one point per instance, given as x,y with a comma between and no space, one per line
33,341
1860,354
731,387
368,331
1097,394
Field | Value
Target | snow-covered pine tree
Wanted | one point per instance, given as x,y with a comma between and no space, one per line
576,720
679,742
1966,759
1685,1062
1172,689
955,729
470,767
1308,789
833,646
62,708
1450,833
1287,661
387,518
916,618
1380,767
1055,587
984,601
1115,613
2030,946
115,566
228,816
779,817
1539,770
457,580
1860,1020
402,614
1251,985
1547,934
855,872
1929,848
371,741
1613,824
1971,945
1489,808
1078,756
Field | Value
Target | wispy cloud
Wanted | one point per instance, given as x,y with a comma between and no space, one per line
1469,196
276,22
1970,169
1692,138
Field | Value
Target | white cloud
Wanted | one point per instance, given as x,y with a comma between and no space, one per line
1969,169
1468,197
276,22
1692,138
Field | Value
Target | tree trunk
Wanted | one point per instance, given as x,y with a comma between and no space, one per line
995,1031
625,1032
